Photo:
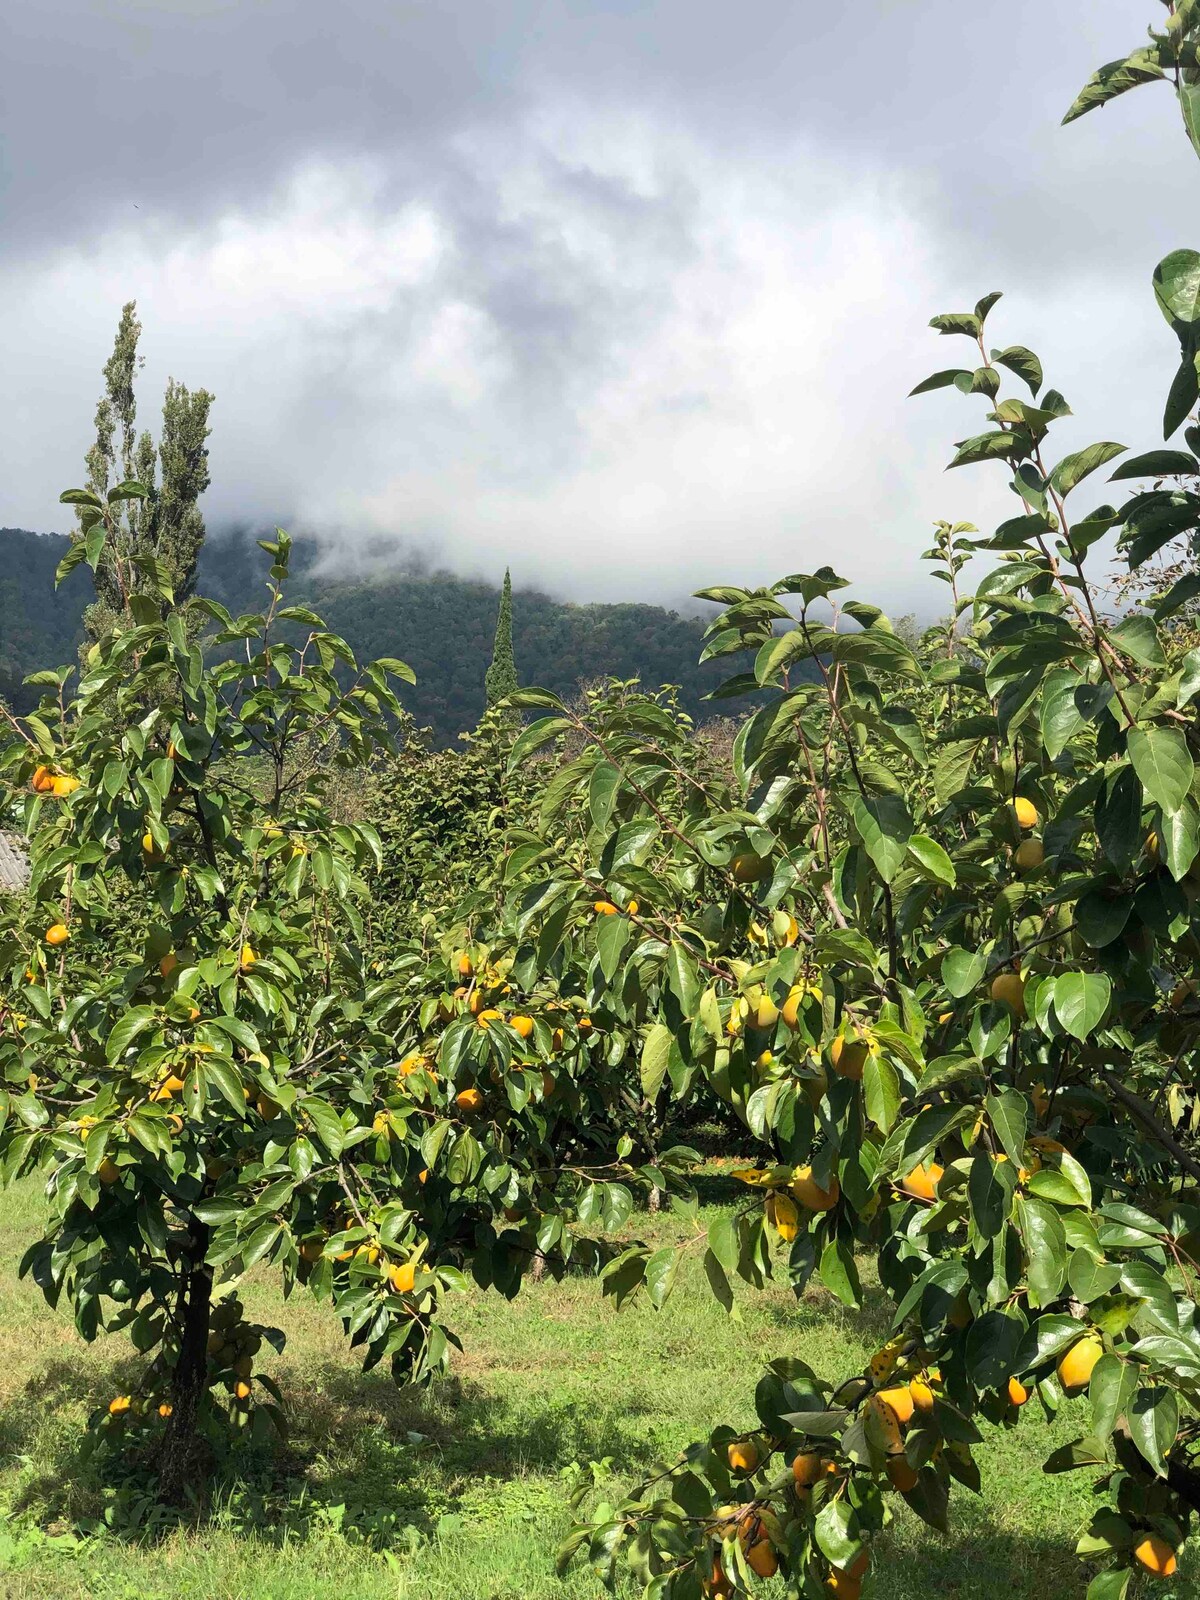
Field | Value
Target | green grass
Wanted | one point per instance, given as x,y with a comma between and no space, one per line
464,1488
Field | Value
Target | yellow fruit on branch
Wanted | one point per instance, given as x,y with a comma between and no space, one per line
1008,989
806,1191
58,933
62,786
1026,813
1182,993
902,1476
766,1012
402,1276
311,1250
247,957
241,1389
108,1172
762,1560
119,1406
900,1400
843,1586
1016,1392
168,964
807,1468
149,849
171,1085
523,1025
1154,1555
848,1057
922,1181
922,1396
1029,855
743,1455
748,867
42,781
790,1010
486,1017
1076,1364
858,1567
469,1099
165,1410
632,908
604,908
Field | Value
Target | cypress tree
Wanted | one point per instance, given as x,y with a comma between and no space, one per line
501,679
168,524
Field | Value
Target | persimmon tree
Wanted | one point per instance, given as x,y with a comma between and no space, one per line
942,956
211,1067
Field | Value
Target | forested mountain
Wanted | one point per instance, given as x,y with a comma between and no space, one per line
442,625
39,627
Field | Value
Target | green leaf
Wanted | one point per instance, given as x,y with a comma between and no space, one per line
885,827
836,1532
1177,288
126,1030
881,1091
882,651
1113,79
224,1077
1008,1114
1182,395
74,556
1072,469
1158,464
325,1121
1023,362
964,322
1153,1420
1111,1388
1045,1249
1163,762
1137,637
932,859
655,1052
660,1274
1111,1585
839,1274
986,447
963,970
536,735
940,380
1080,1001
612,936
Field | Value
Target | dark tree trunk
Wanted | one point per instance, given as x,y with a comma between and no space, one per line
179,1450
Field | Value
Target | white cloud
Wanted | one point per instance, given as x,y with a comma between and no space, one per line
624,359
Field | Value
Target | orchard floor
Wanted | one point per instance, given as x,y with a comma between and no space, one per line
463,1492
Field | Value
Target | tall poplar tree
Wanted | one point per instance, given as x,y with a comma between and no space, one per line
166,526
501,679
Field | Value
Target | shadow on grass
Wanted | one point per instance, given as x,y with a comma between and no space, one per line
382,1466
378,1464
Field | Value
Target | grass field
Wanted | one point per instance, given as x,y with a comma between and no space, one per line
465,1487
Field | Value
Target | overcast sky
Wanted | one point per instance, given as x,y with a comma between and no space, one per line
625,293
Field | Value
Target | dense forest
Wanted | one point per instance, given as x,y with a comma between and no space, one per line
442,625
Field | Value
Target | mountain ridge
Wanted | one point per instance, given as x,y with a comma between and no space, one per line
441,624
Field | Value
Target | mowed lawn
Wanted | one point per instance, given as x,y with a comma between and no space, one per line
461,1493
